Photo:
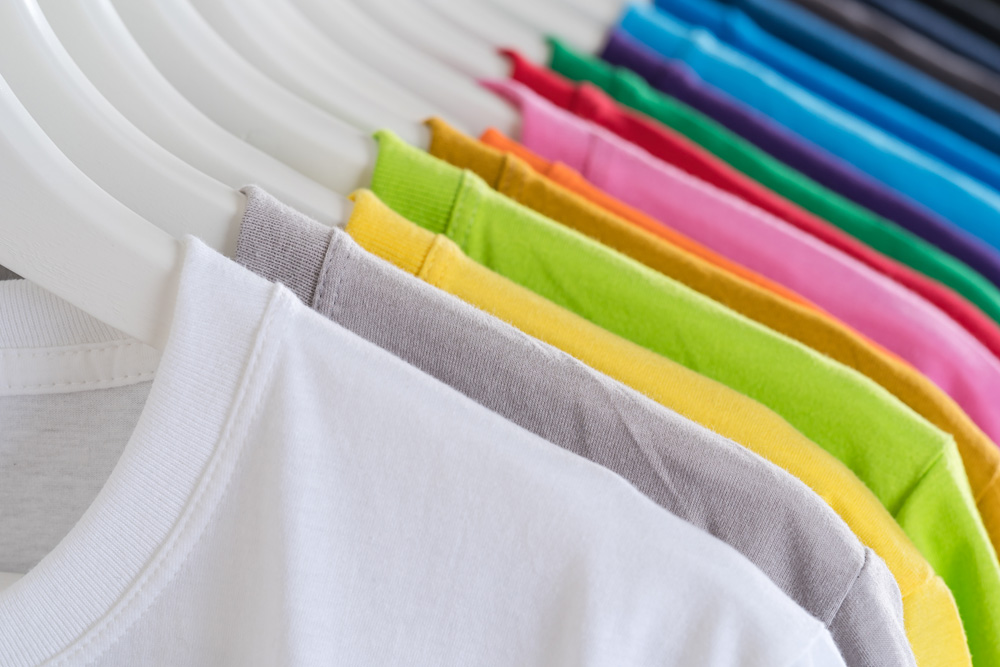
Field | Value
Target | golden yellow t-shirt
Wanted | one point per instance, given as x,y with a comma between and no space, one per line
512,176
932,622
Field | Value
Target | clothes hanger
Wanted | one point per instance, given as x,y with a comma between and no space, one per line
65,234
492,27
435,36
285,47
590,10
217,80
604,12
102,47
546,18
370,41
100,141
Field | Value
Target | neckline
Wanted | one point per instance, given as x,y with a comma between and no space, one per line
83,594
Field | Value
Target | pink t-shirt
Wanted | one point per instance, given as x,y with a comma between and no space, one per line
872,303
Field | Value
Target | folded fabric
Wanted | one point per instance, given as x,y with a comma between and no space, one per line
736,29
980,455
932,621
915,470
939,27
961,199
679,82
981,16
284,492
895,39
760,510
588,102
877,69
889,314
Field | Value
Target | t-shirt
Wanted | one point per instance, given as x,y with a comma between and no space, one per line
889,314
735,28
894,39
915,470
980,455
867,63
762,511
288,493
943,30
964,201
932,622
590,103
678,81
982,16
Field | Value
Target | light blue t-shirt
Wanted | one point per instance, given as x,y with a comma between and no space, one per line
963,200
735,28
877,69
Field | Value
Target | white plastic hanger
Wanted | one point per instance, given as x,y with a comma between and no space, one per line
218,81
435,36
102,47
491,26
546,18
100,141
64,233
604,12
282,44
460,96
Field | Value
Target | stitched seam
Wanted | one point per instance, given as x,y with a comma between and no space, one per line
428,268
324,276
477,199
335,291
989,485
857,577
457,215
114,378
324,286
163,555
10,354
916,484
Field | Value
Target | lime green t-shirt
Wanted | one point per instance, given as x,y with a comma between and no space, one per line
911,466
883,235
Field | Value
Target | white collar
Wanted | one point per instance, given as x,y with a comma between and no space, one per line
84,593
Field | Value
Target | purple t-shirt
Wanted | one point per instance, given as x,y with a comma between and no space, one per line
679,81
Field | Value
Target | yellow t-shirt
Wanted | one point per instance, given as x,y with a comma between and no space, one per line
514,177
932,622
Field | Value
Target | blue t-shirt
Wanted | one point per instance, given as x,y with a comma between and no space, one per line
943,30
953,194
875,68
734,27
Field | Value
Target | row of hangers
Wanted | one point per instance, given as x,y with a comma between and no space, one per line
126,124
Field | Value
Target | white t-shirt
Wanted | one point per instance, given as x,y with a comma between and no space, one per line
274,490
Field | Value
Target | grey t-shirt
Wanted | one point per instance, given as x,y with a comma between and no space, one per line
765,513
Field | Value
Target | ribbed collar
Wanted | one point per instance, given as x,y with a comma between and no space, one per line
416,185
135,535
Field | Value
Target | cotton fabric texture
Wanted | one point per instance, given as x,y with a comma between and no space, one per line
979,15
890,315
916,464
943,30
908,46
875,67
733,27
293,494
965,201
932,622
762,511
589,103
980,456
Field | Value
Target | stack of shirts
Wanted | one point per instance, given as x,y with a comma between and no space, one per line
701,368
